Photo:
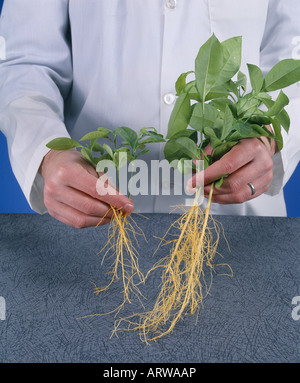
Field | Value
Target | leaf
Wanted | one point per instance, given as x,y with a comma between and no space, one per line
180,115
208,65
129,135
185,166
210,132
219,183
153,137
245,130
284,73
188,147
216,63
122,149
120,159
146,131
217,92
263,131
259,120
283,117
223,149
143,152
181,82
256,77
198,121
63,143
227,125
241,81
284,120
221,103
109,150
87,154
232,86
100,133
277,131
97,148
281,101
247,105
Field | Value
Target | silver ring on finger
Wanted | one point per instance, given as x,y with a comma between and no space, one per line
252,188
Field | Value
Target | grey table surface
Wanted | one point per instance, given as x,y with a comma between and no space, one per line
45,272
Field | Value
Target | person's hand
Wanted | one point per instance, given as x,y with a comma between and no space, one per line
70,191
248,162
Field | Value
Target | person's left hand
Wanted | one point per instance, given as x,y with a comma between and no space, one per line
248,162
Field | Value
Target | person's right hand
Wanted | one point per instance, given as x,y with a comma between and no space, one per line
70,191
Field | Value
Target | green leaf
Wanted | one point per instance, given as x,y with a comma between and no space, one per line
245,130
87,154
172,151
223,149
263,131
210,132
284,120
100,133
180,115
227,125
283,117
185,166
109,150
129,135
221,103
153,136
143,152
216,63
188,147
217,92
247,105
120,159
181,82
256,77
232,86
241,81
259,119
97,148
277,131
198,121
219,183
281,101
122,149
208,64
63,143
284,73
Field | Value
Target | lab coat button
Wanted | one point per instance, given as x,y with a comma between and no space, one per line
169,98
171,4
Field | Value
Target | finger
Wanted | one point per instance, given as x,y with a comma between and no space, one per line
95,187
237,157
83,202
75,218
261,185
241,177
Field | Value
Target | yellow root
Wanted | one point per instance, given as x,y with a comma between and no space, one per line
125,266
184,280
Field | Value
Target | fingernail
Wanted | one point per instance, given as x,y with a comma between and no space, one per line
128,207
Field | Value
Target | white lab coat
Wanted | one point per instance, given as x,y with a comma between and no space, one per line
73,65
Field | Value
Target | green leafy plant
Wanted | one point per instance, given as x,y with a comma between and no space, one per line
213,108
104,144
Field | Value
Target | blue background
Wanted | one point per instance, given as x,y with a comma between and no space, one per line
12,199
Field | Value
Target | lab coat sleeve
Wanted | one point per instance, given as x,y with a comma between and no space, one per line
282,40
35,78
